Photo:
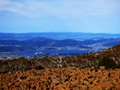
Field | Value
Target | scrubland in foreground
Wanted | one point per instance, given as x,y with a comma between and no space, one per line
95,71
70,78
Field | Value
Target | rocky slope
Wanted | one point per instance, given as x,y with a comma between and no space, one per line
70,78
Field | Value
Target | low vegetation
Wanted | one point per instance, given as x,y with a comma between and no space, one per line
69,78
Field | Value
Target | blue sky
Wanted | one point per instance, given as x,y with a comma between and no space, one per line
96,16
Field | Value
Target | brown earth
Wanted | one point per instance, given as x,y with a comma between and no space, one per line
69,78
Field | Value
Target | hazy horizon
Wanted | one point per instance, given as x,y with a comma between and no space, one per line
36,16
59,33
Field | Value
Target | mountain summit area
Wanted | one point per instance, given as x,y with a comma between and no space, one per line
93,71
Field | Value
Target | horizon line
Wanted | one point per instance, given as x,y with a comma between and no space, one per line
56,32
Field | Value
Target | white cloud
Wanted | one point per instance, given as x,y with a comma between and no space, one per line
62,8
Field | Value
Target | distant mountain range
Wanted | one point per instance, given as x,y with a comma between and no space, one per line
58,35
42,44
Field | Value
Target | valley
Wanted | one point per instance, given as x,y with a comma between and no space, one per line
36,46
